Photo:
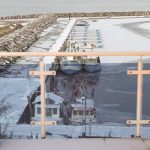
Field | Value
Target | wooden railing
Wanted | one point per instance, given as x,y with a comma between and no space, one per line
42,73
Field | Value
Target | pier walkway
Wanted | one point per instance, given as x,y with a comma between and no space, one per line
77,144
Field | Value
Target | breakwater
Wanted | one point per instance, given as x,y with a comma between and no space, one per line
94,14
23,38
104,14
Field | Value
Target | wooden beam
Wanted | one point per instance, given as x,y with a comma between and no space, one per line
139,98
42,54
138,122
139,74
43,103
45,73
44,123
133,72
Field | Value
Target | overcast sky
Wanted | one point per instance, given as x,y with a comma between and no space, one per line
68,2
11,7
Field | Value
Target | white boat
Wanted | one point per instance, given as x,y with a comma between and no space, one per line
83,111
82,23
70,66
91,64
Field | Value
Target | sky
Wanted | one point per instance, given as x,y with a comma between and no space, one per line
12,7
71,2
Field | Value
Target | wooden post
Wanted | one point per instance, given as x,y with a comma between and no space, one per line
43,110
139,98
42,73
140,72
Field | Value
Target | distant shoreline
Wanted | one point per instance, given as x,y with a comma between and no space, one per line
81,14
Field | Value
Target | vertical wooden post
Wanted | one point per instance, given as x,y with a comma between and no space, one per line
139,97
43,110
43,121
139,122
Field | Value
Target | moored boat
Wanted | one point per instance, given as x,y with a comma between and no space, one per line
70,66
82,23
91,64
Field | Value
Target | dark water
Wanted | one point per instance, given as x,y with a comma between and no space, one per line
115,91
14,7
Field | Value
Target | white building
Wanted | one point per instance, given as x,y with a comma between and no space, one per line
79,109
53,106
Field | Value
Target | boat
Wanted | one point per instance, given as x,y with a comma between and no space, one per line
82,23
70,66
91,64
3,68
83,111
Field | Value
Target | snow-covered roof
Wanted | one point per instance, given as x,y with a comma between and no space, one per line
57,99
88,101
48,106
81,107
80,104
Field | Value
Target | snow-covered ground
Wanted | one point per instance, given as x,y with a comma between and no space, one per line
63,131
15,21
14,92
15,86
145,26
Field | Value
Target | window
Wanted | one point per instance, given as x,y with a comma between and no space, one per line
55,111
38,110
80,112
92,112
48,112
87,112
74,112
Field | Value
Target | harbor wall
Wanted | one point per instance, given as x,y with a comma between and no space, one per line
105,14
22,39
82,14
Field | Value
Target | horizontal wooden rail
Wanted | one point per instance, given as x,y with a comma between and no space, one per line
44,123
37,54
140,122
45,73
133,72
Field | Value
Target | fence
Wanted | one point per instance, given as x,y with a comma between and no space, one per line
42,73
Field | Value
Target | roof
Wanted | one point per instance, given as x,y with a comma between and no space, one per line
80,104
48,106
81,107
57,99
89,102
